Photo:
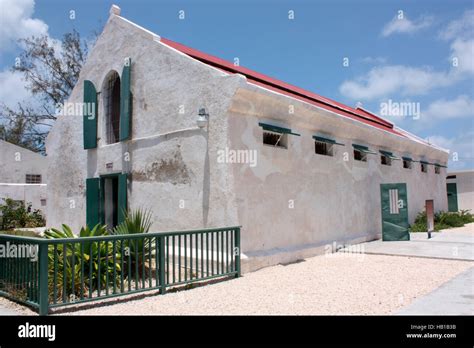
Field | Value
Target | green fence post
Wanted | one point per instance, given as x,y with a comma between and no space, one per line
237,252
43,279
162,264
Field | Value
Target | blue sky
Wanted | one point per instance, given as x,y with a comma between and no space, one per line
422,55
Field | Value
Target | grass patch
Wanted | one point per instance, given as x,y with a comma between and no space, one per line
442,220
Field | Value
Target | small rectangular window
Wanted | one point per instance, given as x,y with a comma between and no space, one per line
275,139
322,148
424,167
33,179
385,160
437,170
43,202
360,156
406,164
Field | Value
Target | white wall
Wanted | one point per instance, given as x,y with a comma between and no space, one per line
172,161
29,193
465,189
16,162
334,200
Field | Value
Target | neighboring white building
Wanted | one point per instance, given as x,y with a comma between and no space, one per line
296,170
23,175
460,189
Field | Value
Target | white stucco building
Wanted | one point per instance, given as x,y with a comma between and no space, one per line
460,190
23,175
296,170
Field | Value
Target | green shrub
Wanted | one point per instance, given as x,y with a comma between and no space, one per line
442,220
15,214
466,216
138,221
71,256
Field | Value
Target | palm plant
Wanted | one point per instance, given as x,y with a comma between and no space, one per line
137,249
69,258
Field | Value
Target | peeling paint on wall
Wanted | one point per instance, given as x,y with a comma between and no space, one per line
171,170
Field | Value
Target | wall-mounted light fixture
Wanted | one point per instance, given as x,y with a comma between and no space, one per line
203,118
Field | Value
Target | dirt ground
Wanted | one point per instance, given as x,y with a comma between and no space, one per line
326,284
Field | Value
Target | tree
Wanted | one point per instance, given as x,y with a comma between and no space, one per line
50,70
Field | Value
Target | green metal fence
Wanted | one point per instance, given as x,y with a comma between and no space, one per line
48,273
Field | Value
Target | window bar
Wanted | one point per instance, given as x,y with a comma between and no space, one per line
98,268
106,268
114,260
90,270
143,258
64,273
174,252
191,257
82,271
122,271
179,259
55,274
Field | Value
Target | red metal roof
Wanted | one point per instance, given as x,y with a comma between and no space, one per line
258,79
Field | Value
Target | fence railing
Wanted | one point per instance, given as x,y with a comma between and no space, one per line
48,273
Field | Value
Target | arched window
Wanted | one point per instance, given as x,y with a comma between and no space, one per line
112,107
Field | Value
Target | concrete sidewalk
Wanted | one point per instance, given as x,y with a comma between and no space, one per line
455,297
452,244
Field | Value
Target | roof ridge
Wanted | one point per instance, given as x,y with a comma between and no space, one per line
259,77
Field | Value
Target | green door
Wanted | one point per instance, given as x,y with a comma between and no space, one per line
394,212
452,196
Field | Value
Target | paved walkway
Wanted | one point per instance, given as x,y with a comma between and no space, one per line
455,297
452,244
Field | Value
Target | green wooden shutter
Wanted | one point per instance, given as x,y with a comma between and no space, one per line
92,201
122,197
125,101
90,115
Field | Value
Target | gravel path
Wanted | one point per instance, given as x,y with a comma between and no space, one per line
327,284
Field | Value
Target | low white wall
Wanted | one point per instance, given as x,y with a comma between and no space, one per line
29,193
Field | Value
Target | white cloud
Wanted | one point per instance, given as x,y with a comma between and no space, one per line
12,88
387,80
461,149
16,22
463,51
442,109
404,25
405,80
441,141
461,28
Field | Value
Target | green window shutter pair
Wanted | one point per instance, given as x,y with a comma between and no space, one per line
91,108
95,200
